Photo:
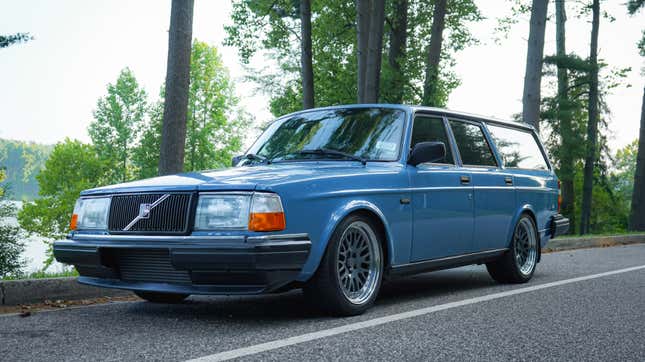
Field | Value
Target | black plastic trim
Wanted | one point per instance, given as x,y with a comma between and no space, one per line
559,225
446,263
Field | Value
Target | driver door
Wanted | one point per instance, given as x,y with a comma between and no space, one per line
442,198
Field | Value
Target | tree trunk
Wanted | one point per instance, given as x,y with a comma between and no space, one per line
173,136
534,57
374,52
306,55
434,53
398,44
362,40
637,216
592,123
564,115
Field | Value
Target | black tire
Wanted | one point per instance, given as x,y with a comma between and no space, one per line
325,289
507,268
165,298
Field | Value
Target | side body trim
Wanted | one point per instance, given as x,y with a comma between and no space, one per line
445,263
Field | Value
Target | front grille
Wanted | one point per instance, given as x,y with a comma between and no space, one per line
152,266
170,216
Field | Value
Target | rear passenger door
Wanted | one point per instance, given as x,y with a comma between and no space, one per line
441,197
494,193
535,183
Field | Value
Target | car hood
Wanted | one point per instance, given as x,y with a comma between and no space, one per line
247,178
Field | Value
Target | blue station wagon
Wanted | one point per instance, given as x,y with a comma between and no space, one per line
333,201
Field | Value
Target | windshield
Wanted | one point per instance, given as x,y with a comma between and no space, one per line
372,134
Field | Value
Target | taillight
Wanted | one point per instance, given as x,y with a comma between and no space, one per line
559,197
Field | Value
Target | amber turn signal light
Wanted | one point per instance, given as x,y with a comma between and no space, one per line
267,221
73,222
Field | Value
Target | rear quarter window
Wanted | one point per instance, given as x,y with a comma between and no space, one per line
518,149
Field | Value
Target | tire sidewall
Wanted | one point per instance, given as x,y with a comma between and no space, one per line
520,275
330,260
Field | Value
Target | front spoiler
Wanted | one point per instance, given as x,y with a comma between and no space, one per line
206,265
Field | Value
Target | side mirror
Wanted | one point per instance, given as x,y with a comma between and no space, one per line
427,152
236,159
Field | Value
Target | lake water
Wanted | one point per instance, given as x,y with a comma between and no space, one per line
35,251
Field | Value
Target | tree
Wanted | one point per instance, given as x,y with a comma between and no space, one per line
637,214
564,115
306,55
11,246
434,53
211,138
370,16
270,25
23,161
171,158
117,120
215,124
8,40
145,157
71,168
398,36
534,55
592,125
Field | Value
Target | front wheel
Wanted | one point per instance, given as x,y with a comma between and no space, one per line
165,298
518,264
350,274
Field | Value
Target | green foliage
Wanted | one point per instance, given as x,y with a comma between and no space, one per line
23,161
273,26
11,246
72,167
145,156
211,138
117,120
7,40
215,125
43,275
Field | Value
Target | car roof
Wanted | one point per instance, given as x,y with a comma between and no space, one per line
415,108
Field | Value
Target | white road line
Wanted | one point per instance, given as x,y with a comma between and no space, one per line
268,346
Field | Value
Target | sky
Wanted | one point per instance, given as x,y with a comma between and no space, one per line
50,85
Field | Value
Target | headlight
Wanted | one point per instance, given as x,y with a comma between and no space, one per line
91,213
222,212
255,212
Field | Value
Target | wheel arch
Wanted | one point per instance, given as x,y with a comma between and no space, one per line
530,211
368,209
525,209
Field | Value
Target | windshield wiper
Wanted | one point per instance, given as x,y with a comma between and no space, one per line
327,151
254,157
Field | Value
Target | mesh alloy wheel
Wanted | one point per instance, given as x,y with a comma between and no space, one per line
358,262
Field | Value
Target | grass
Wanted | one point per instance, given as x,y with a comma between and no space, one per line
615,233
43,275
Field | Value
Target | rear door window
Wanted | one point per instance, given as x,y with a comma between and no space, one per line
431,129
472,144
519,149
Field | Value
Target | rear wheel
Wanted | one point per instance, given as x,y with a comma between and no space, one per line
518,264
167,298
349,276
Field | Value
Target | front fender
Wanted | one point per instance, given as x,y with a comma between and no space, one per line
340,213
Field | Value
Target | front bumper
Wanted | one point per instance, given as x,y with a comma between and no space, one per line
186,264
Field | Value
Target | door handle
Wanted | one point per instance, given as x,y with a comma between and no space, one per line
508,180
465,179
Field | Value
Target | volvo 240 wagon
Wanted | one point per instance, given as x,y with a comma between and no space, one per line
331,200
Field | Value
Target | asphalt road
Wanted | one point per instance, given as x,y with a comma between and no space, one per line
581,305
